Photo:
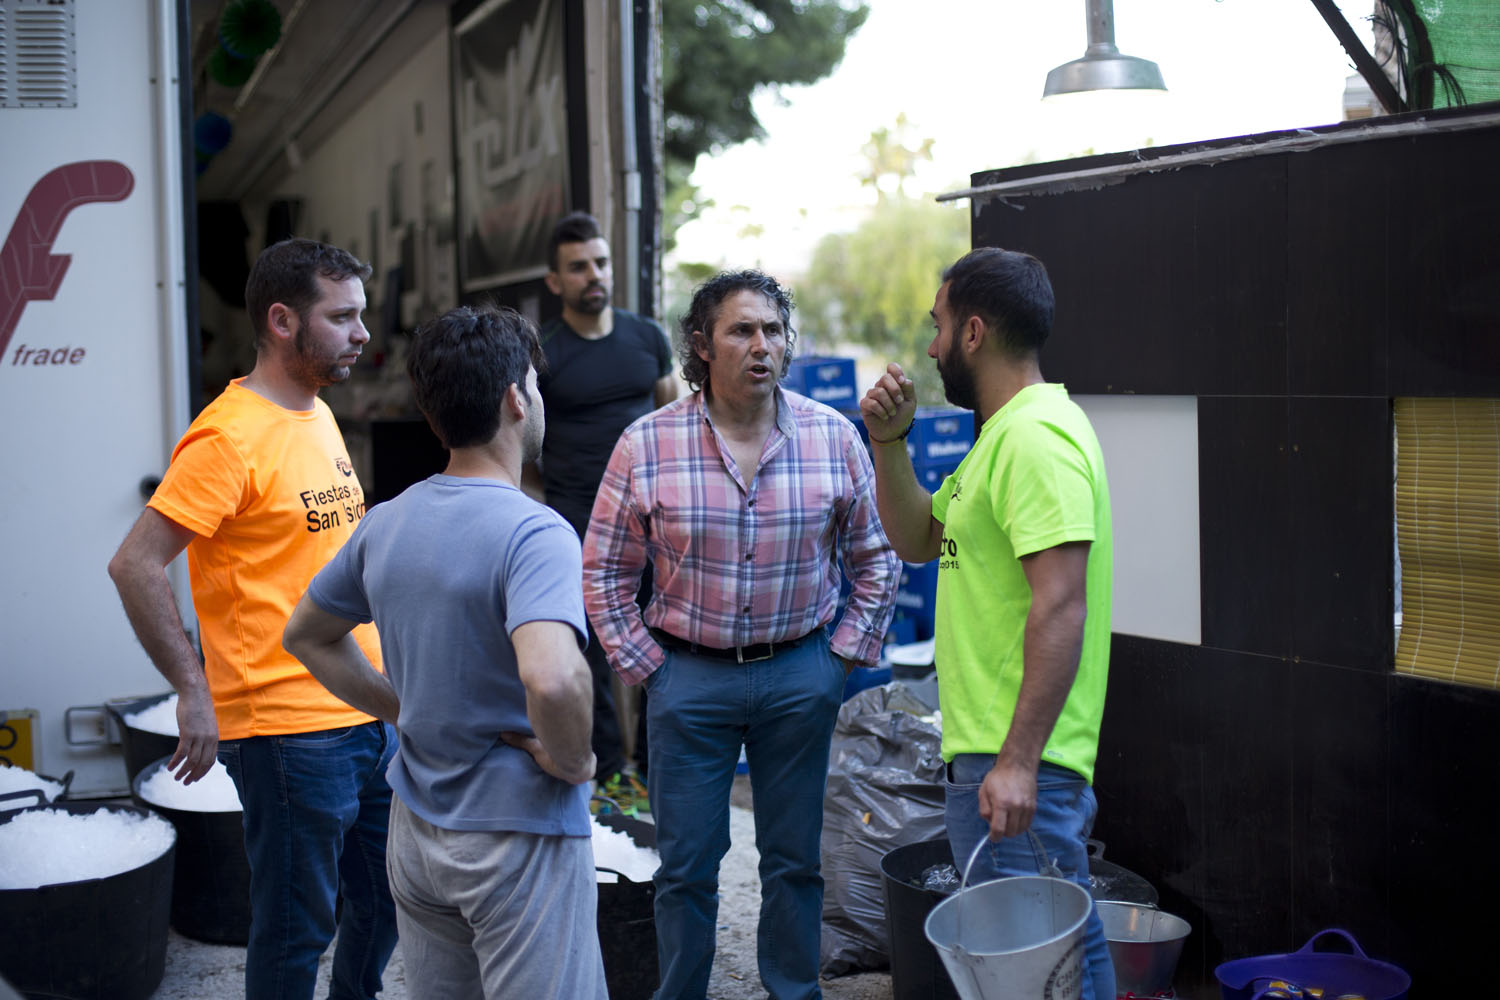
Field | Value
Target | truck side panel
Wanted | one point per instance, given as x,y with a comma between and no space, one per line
93,375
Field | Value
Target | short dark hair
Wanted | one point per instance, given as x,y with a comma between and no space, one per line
287,272
703,312
575,227
461,365
1007,289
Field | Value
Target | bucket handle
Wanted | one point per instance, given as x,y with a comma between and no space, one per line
6,798
1336,932
1049,869
1263,992
601,797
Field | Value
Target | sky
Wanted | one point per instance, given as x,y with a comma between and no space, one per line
969,74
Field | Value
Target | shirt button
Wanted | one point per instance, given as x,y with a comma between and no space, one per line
747,609
750,502
749,556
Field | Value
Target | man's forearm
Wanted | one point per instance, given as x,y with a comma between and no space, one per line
346,672
560,708
152,611
1053,642
905,507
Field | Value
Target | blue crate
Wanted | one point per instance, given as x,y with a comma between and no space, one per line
829,380
917,592
907,627
903,630
861,678
939,434
931,474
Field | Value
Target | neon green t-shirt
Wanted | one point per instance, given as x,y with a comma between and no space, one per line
1034,480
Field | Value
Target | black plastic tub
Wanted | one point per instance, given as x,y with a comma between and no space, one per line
94,939
211,884
142,748
627,921
916,971
23,797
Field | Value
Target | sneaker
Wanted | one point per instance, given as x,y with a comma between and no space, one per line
637,792
622,793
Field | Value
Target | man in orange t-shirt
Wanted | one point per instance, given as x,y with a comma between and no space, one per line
261,494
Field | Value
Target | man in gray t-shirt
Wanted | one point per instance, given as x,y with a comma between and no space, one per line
475,589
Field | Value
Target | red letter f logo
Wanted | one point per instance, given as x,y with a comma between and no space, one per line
28,268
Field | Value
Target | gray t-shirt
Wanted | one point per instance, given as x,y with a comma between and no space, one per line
447,570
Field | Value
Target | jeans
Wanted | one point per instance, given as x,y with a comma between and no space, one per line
316,807
702,710
1065,811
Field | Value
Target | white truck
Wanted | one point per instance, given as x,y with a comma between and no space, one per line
93,355
435,139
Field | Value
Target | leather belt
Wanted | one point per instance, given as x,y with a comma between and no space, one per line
752,653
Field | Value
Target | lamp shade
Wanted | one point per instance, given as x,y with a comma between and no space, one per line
1105,70
1102,66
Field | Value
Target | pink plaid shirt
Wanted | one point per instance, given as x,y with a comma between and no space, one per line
736,564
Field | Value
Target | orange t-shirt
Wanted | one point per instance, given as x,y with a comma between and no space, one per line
271,495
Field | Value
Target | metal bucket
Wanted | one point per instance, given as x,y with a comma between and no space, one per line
1013,938
1144,944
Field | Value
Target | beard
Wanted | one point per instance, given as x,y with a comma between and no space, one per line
533,432
957,378
312,369
590,304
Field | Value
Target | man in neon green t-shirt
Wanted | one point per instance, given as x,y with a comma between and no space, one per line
1022,534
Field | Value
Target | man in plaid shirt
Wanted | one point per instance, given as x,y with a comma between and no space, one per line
744,498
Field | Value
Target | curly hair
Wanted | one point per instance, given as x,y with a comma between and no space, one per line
703,313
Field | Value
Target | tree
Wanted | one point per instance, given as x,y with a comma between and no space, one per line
891,158
875,285
717,54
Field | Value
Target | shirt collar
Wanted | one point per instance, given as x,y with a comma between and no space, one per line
786,417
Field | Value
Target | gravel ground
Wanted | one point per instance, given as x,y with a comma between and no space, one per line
197,971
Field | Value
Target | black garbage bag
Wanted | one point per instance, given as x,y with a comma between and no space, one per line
885,790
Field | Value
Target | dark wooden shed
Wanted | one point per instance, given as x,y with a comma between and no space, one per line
1281,776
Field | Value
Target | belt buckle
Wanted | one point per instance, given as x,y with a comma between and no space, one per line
739,654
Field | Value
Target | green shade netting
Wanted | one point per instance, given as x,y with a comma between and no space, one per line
1465,37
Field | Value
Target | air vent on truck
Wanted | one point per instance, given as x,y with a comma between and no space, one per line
38,54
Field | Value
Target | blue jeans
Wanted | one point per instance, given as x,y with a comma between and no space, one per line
701,711
1065,811
316,807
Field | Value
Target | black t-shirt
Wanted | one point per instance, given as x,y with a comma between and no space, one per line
593,390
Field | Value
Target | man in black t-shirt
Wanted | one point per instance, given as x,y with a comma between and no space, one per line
605,368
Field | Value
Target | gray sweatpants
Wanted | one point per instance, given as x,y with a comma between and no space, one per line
494,914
